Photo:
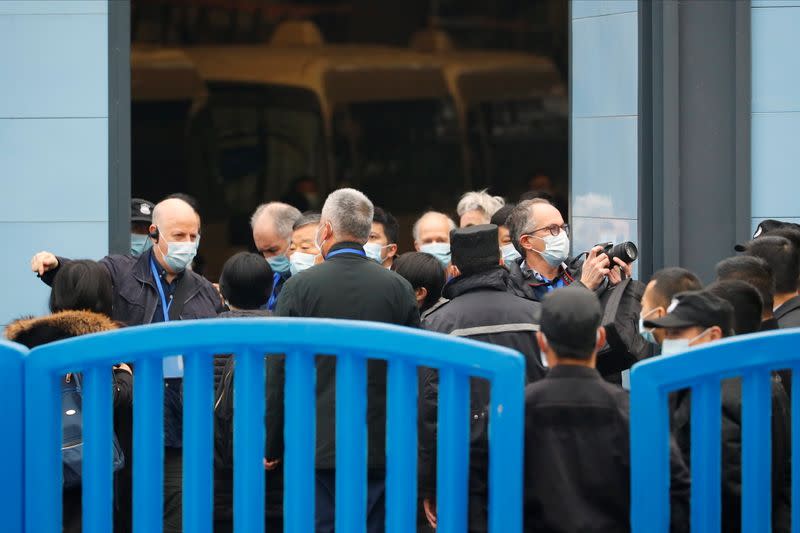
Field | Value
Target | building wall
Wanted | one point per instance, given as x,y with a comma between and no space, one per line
53,140
604,122
775,110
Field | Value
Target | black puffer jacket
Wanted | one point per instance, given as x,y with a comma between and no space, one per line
480,307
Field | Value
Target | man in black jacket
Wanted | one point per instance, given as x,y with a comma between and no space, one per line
577,455
700,317
347,285
156,287
783,257
477,305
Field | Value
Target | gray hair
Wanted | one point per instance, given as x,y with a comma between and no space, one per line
415,229
520,222
306,219
480,201
350,213
283,216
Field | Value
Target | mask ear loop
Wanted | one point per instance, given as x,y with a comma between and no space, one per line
699,336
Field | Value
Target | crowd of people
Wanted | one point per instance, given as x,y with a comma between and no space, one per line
503,275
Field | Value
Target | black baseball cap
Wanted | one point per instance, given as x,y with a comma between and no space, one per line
570,318
696,308
141,210
766,227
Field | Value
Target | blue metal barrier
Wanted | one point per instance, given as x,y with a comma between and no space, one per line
11,444
249,340
751,358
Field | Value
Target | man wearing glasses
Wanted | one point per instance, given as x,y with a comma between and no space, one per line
540,235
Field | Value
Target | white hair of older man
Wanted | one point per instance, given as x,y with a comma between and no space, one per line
480,201
415,229
350,213
283,216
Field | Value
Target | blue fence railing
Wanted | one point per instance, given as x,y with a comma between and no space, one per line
12,443
249,340
751,358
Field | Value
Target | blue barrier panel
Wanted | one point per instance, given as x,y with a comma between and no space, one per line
12,444
250,340
751,358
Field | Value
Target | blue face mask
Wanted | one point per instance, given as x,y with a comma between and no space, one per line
280,264
374,251
140,244
510,254
439,250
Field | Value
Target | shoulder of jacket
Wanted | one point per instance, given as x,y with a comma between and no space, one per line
438,305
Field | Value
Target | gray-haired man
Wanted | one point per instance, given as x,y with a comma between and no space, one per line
346,285
272,234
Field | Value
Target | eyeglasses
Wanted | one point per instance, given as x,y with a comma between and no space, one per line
554,229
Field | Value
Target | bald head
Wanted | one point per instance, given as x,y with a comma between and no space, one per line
174,221
432,227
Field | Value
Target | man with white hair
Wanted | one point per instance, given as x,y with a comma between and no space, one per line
432,235
478,207
272,225
347,285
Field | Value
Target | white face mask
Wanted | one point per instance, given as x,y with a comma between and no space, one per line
556,249
301,261
675,346
439,250
509,253
180,254
317,243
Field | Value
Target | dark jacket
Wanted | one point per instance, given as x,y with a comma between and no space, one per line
577,456
345,286
788,314
524,283
220,360
479,307
136,297
33,332
731,393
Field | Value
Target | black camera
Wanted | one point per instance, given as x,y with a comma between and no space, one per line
626,251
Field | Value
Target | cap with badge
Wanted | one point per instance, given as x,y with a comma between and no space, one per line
570,318
768,226
141,210
696,309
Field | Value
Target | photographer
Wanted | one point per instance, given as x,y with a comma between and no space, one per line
540,235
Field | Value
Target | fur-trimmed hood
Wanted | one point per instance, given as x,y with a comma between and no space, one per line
33,332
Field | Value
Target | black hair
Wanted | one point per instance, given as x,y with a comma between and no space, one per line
390,225
753,270
502,214
422,270
673,280
82,285
246,280
746,302
782,256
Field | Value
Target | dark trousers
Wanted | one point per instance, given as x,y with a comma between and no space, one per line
326,502
173,490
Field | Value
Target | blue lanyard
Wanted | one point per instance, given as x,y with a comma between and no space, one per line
164,305
346,251
273,297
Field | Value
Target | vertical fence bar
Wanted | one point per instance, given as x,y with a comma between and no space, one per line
43,467
351,443
795,458
756,450
706,457
401,447
97,478
452,451
300,438
506,423
148,446
650,465
248,442
12,445
198,443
